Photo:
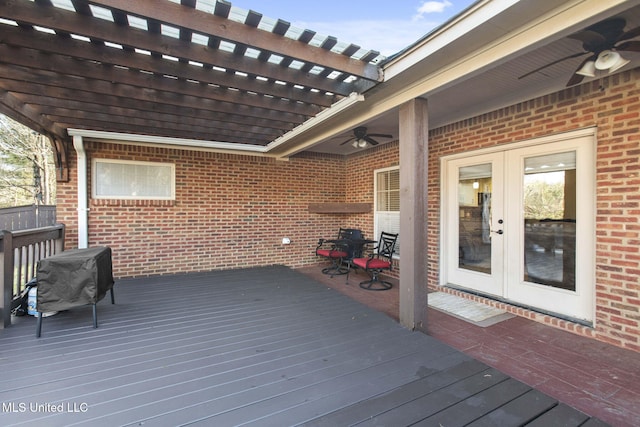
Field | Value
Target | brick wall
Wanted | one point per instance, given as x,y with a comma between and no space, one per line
230,211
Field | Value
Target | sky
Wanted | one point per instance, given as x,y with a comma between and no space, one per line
386,26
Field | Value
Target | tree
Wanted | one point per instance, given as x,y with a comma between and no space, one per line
27,171
544,200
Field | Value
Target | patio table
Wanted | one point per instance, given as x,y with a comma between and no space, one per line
353,247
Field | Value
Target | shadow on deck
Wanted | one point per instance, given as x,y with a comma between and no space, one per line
263,346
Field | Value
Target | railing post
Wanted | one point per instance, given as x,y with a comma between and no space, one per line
59,243
24,240
6,276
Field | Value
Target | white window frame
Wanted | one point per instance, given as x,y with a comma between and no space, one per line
377,214
168,169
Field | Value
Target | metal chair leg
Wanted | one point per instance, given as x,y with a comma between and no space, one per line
335,269
95,316
39,325
375,284
348,271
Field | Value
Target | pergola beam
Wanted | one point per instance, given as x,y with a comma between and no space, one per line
60,57
212,25
112,75
63,21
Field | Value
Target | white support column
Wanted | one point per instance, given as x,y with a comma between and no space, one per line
413,135
83,220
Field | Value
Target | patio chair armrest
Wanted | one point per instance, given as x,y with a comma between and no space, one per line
320,243
368,253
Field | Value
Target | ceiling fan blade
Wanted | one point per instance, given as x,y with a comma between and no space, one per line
381,135
370,140
575,55
601,35
577,78
631,46
348,140
632,33
588,37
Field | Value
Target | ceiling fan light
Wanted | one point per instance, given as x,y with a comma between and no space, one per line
354,144
621,63
588,69
610,60
361,143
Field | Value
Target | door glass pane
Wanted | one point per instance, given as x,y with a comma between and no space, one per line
550,220
474,204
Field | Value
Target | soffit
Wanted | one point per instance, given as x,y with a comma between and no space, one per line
495,82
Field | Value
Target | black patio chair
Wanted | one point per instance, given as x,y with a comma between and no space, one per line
338,250
380,259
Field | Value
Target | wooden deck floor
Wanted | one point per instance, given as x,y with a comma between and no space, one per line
266,346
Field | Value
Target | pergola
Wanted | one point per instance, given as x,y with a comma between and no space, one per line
195,71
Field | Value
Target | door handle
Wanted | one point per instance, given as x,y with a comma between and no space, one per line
500,221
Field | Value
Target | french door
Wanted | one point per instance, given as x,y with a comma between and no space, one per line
518,224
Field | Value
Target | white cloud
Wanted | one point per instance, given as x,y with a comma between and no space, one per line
387,37
432,7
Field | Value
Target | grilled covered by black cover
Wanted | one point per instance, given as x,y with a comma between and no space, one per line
73,278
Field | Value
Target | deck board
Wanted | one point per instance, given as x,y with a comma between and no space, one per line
479,404
560,415
519,411
377,405
433,403
262,346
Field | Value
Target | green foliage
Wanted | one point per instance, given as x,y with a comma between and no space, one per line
26,166
544,200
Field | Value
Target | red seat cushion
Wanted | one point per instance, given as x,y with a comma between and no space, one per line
373,263
331,253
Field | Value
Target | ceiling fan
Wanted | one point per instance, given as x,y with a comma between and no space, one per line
361,138
602,42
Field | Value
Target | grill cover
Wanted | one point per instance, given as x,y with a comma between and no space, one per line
72,278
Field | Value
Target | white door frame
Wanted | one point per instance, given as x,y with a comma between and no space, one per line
585,264
489,284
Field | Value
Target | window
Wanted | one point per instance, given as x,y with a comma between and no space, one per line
120,179
387,202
